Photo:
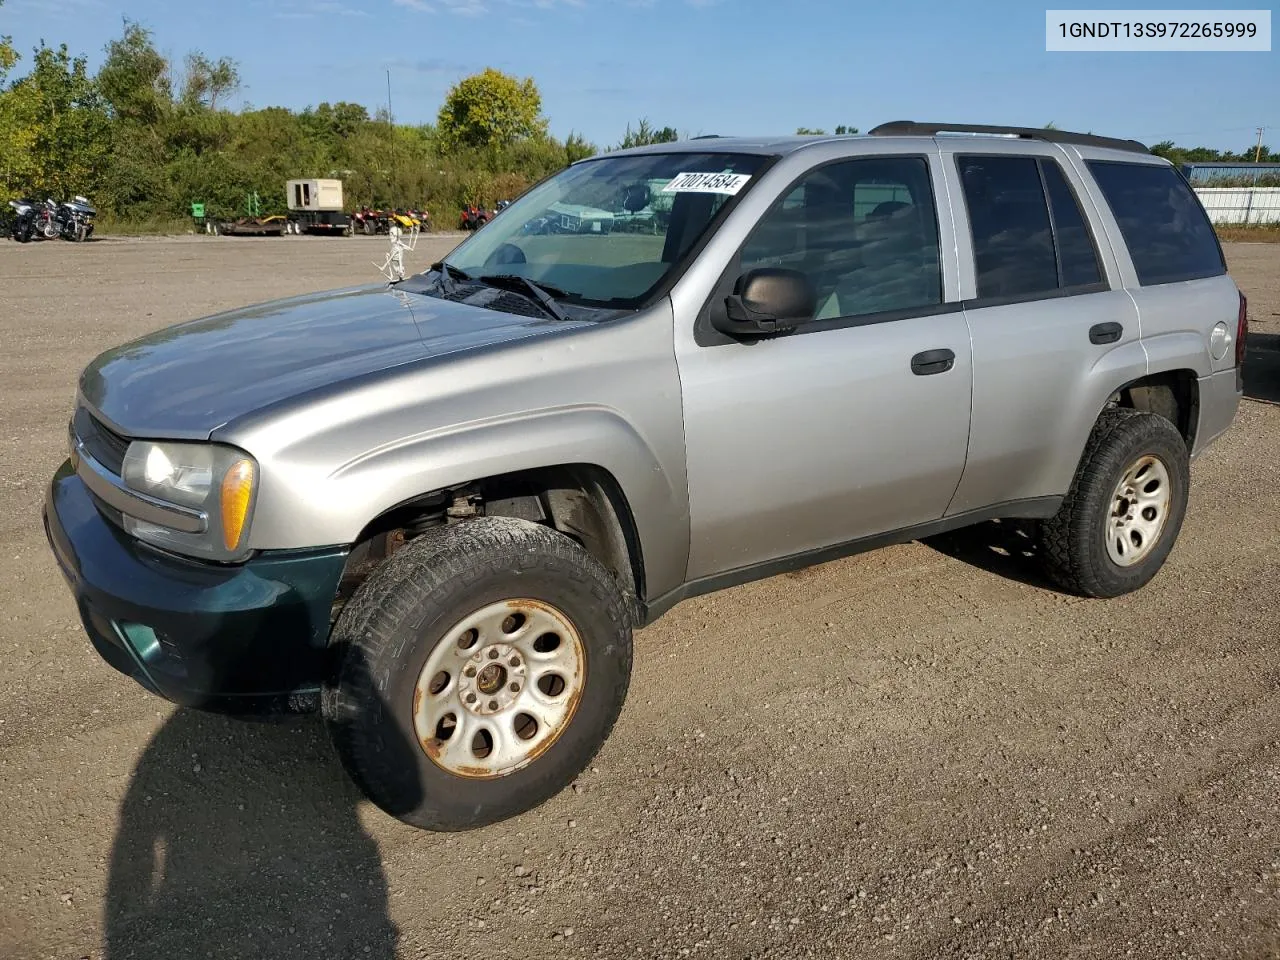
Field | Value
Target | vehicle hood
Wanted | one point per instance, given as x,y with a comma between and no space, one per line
185,381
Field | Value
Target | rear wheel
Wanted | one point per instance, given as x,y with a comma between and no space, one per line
1125,507
482,667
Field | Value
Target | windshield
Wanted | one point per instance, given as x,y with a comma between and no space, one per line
607,232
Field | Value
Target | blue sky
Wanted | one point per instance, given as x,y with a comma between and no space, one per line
702,66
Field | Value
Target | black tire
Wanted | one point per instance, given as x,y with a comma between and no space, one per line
403,611
1073,542
22,232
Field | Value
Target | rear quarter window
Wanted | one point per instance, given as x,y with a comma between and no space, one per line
1170,239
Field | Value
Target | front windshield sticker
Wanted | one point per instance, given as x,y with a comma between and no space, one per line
729,183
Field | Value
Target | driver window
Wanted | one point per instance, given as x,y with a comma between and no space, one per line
864,231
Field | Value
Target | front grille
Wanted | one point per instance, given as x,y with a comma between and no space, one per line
103,444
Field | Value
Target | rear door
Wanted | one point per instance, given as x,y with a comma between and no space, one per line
1053,330
848,427
1179,276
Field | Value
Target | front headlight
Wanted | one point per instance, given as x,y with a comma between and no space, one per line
214,480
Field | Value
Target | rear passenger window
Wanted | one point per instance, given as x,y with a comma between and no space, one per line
1012,238
1076,255
1166,230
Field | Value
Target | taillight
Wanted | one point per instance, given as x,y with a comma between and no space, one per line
1242,329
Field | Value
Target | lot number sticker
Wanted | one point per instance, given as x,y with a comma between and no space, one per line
729,183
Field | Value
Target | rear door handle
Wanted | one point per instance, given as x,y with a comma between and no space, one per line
1105,332
932,361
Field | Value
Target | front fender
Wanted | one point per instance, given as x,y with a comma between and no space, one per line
606,396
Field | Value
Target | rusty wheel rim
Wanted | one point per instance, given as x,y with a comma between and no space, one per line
499,689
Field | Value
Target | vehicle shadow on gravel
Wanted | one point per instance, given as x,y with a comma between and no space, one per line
240,839
1262,367
1007,548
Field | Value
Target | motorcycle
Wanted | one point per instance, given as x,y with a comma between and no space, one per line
75,219
45,223
23,225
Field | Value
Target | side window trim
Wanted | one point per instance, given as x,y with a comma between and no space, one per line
966,228
1089,230
705,335
1053,222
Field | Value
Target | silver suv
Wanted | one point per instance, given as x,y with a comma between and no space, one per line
438,508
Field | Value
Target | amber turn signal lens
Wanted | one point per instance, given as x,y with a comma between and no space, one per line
237,493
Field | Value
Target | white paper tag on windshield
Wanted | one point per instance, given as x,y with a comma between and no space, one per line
707,183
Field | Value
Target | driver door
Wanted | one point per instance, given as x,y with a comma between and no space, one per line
840,430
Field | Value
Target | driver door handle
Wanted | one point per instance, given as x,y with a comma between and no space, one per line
932,361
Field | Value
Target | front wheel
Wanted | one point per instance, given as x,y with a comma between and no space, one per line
482,667
1122,515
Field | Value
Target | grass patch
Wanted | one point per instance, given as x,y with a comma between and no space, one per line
159,226
1265,233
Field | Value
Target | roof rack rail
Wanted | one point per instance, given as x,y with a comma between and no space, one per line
902,128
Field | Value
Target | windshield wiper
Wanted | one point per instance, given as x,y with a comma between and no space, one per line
449,273
545,295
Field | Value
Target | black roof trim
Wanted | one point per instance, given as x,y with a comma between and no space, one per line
909,128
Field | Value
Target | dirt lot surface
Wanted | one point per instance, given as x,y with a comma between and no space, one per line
920,752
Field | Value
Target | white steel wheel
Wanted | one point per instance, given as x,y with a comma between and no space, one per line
1139,511
499,689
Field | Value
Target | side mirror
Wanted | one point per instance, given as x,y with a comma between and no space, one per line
767,300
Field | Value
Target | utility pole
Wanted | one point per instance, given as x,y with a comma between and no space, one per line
1257,152
389,122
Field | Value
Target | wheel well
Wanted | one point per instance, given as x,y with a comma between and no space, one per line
582,501
1173,394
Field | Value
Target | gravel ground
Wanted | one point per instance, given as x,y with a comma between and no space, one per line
919,752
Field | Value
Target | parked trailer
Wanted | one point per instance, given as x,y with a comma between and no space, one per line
315,206
273,226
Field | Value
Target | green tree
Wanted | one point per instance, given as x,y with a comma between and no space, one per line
810,132
843,130
15,136
206,82
60,124
491,109
135,79
645,134
577,147
8,54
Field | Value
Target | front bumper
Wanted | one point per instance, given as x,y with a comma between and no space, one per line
247,638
